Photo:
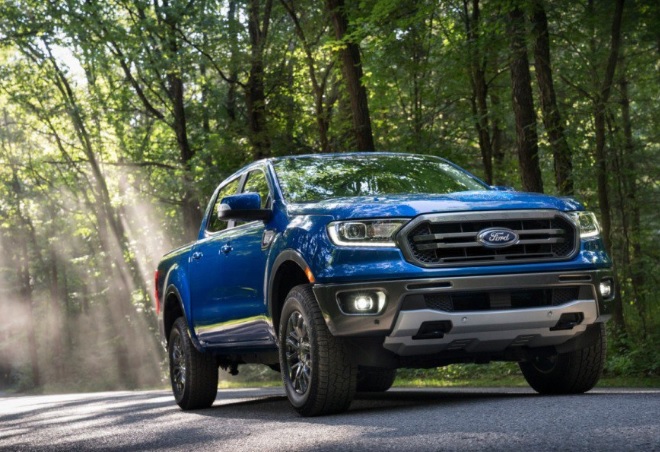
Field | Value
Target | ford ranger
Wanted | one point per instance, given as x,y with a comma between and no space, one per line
338,269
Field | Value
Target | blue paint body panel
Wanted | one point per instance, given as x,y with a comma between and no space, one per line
220,283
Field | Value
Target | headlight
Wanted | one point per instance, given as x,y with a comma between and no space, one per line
364,232
587,223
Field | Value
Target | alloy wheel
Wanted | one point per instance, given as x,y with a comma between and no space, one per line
298,353
178,366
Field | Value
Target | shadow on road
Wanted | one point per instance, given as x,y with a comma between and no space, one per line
262,419
394,400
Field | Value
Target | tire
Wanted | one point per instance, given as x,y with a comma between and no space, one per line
567,373
318,375
194,375
375,379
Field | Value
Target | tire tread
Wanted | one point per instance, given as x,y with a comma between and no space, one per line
575,373
202,378
335,372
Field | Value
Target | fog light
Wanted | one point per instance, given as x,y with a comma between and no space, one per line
606,288
363,302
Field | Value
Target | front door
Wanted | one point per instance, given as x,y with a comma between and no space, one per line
227,272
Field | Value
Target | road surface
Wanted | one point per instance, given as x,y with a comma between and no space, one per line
401,419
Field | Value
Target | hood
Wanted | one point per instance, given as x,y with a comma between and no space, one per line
412,205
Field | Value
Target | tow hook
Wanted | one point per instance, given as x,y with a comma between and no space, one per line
568,321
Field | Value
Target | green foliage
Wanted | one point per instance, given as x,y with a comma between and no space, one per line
454,372
104,162
630,355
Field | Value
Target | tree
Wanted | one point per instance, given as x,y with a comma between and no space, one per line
320,79
353,74
258,23
551,117
479,86
600,101
523,105
120,118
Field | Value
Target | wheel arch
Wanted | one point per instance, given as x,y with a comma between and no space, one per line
288,271
172,310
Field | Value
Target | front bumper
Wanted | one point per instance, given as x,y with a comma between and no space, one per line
470,330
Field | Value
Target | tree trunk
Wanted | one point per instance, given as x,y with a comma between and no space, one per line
523,105
631,216
25,291
255,90
497,142
192,215
352,71
26,298
599,111
232,25
479,88
551,116
112,236
57,319
600,107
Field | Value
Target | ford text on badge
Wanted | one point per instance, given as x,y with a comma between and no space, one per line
497,237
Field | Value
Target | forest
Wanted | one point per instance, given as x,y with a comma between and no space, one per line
118,118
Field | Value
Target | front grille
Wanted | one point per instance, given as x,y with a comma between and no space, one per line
492,301
445,239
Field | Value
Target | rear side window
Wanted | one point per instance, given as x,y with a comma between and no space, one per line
215,224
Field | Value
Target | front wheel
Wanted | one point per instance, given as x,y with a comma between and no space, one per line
317,372
567,373
194,375
375,379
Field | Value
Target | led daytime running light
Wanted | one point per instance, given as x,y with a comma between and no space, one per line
365,233
587,223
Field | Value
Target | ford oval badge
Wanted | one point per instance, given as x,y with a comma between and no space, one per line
497,237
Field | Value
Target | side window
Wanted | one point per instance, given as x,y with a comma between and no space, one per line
256,183
215,224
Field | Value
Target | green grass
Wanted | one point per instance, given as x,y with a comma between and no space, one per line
229,384
519,382
494,375
507,381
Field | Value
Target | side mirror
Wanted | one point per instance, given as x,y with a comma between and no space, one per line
245,206
502,188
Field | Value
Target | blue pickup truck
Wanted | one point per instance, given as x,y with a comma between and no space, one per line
338,269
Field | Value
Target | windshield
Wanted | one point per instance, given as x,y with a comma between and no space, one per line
315,178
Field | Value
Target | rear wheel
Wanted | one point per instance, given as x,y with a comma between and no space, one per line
372,379
194,375
318,375
567,373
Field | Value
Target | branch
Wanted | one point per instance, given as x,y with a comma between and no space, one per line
210,59
578,88
125,164
136,86
614,52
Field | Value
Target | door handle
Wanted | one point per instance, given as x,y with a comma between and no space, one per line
226,249
197,255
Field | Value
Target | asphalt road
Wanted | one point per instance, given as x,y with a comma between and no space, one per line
401,419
